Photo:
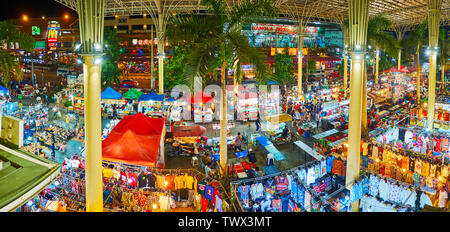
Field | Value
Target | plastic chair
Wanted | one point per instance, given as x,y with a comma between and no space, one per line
194,161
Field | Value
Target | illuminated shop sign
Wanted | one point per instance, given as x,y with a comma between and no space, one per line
35,30
281,29
53,29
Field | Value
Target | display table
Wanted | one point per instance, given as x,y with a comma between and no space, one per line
338,142
269,170
325,134
241,154
306,152
270,148
241,175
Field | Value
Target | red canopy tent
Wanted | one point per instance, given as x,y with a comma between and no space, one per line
404,69
134,140
393,69
203,96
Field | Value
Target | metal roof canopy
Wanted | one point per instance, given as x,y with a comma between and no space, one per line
400,12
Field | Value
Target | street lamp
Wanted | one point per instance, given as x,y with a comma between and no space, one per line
66,16
25,18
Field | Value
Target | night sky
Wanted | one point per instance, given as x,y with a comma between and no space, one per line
10,9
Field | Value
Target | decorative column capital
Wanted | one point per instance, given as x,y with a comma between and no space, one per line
91,20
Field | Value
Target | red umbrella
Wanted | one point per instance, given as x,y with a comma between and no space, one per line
188,131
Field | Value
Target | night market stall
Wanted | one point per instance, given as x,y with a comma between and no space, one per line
151,104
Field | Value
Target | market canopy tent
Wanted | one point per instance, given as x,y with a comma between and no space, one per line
3,89
134,140
152,97
132,94
404,69
392,70
204,98
110,93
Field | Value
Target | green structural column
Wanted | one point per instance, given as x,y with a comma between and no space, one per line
91,17
160,33
358,20
300,59
434,15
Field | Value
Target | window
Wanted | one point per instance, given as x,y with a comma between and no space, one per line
137,27
124,27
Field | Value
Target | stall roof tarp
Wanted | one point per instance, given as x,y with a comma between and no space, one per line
132,94
200,95
279,118
134,140
79,95
393,70
404,69
140,124
110,93
188,131
3,89
152,97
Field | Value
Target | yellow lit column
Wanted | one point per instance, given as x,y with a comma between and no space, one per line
91,19
160,59
93,128
399,38
345,74
223,120
434,14
364,129
418,74
377,63
300,59
358,19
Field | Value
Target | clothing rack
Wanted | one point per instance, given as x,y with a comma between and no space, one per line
421,155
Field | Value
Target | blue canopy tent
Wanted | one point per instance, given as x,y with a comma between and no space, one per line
3,89
152,97
110,93
152,103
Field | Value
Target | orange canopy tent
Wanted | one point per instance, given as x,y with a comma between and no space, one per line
134,140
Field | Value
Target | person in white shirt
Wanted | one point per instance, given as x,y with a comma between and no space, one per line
442,199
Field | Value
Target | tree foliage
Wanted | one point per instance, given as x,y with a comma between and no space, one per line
284,67
378,38
110,69
175,67
215,38
9,66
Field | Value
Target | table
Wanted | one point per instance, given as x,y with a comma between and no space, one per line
325,134
269,170
308,150
241,175
338,142
241,154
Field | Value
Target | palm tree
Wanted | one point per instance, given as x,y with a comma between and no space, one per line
415,39
216,35
443,53
9,66
378,38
